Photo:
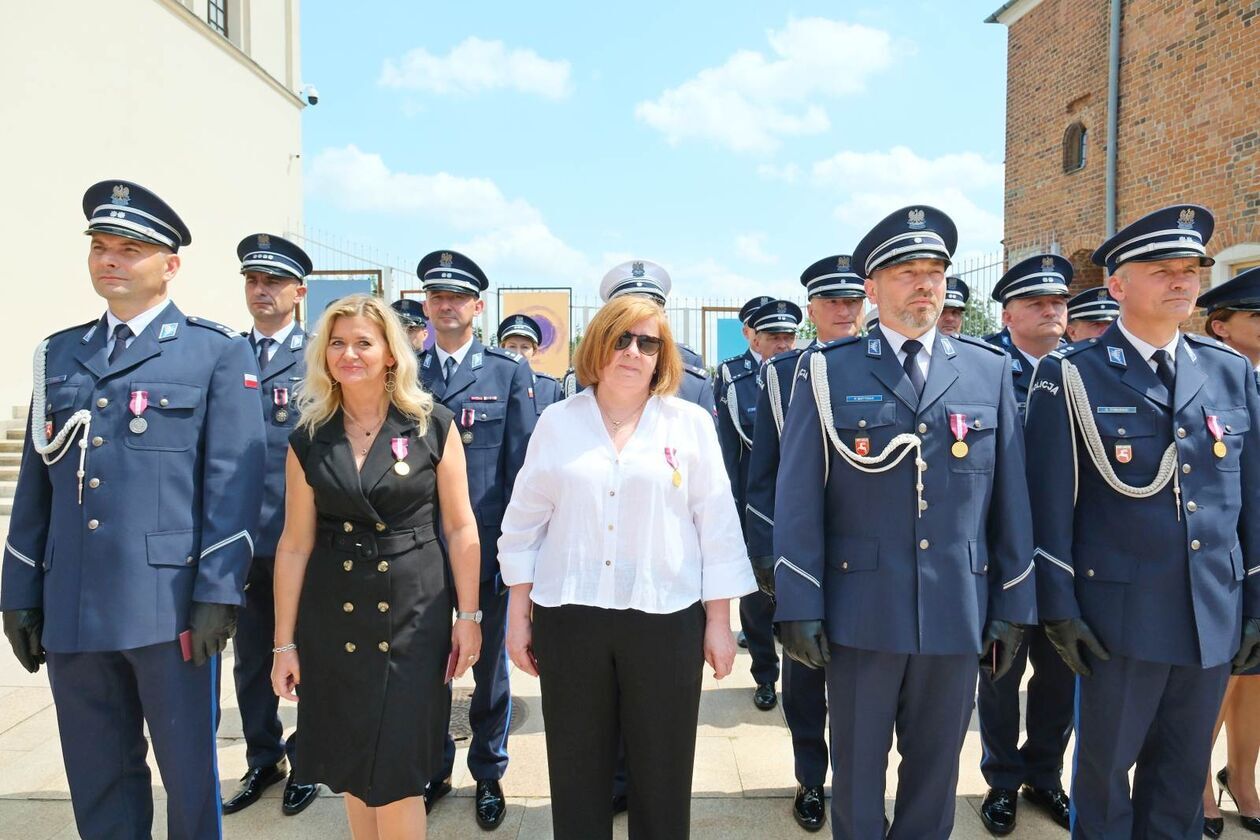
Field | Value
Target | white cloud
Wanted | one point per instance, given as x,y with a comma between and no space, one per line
874,184
788,173
752,101
714,281
475,65
507,234
750,247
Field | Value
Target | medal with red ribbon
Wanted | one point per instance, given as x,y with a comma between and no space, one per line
399,447
280,396
670,459
958,425
1214,426
467,417
138,403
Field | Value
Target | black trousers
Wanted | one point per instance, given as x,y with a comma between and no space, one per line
602,672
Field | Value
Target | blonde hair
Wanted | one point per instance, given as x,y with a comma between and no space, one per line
319,396
619,316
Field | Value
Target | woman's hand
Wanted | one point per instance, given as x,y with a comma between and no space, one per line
286,675
719,646
465,645
520,641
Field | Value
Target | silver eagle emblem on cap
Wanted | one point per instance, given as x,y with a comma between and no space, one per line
1186,219
636,269
446,260
264,241
915,219
121,195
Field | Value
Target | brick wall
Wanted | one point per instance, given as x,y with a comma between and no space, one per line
1189,120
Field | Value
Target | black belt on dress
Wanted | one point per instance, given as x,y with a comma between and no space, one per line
368,544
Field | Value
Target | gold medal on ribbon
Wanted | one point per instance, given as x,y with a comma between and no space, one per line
958,426
672,460
400,446
402,467
1214,428
1218,449
677,478
959,449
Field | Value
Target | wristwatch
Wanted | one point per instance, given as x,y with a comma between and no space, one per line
474,617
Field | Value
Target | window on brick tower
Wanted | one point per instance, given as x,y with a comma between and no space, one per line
1074,147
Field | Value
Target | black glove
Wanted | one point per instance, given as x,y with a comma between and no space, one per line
763,571
25,629
1067,635
806,642
1007,637
1248,652
211,625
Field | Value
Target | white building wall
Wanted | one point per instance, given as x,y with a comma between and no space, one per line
141,90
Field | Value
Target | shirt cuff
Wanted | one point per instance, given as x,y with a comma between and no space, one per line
729,580
517,567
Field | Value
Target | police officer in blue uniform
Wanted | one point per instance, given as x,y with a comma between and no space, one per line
411,313
1090,313
488,389
750,359
903,537
1033,294
522,335
642,277
133,525
1144,472
836,294
275,272
771,326
957,293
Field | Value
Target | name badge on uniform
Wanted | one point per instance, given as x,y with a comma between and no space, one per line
280,397
1214,426
958,425
467,416
138,403
399,447
1124,453
673,463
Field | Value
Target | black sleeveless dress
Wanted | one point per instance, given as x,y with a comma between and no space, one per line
374,618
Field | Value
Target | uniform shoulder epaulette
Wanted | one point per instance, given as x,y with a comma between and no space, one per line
72,329
507,354
786,355
978,342
730,360
213,326
699,371
546,376
1208,341
1065,350
839,342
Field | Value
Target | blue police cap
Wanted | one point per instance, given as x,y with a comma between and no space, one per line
1240,293
1037,276
451,271
522,325
1094,304
777,316
918,232
636,277
410,312
127,209
749,309
956,293
1182,230
273,255
833,277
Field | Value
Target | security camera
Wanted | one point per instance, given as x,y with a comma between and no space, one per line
312,95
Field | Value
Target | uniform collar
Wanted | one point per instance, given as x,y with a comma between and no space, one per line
458,355
138,323
280,336
1147,350
896,340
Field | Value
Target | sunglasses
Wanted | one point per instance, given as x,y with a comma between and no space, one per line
649,345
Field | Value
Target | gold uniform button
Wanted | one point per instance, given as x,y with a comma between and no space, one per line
94,483
924,544
1195,544
347,527
383,606
98,440
351,647
1191,506
347,607
102,402
380,526
383,647
348,565
93,524
923,428
382,566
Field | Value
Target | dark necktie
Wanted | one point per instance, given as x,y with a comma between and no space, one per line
1164,369
264,352
912,349
448,368
122,332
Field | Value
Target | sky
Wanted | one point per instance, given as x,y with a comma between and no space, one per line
734,143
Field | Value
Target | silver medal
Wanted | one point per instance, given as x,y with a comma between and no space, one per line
282,415
138,425
466,437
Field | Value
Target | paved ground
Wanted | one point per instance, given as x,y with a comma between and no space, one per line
742,788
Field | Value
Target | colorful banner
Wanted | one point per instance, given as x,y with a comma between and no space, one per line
550,308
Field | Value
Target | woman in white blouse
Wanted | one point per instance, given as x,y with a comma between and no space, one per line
623,550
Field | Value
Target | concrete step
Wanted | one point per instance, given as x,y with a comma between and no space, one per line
16,432
7,445
19,412
7,488
8,474
6,507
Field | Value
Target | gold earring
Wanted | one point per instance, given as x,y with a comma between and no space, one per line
391,380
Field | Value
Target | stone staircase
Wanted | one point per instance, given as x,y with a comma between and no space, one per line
12,433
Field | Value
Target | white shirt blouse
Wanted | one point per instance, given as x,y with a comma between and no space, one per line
589,526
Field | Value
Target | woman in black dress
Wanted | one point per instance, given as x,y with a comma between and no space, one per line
363,611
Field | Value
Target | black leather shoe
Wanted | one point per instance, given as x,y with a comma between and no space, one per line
297,797
490,804
435,791
765,698
741,640
997,812
1054,801
253,783
809,808
1251,824
620,804
1213,827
